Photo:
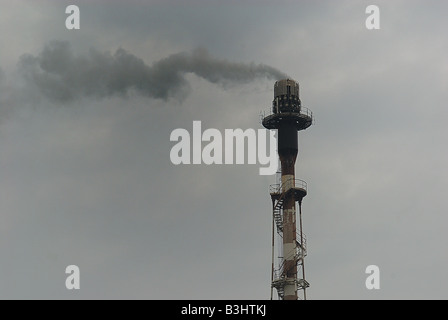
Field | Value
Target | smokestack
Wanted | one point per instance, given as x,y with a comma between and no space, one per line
288,116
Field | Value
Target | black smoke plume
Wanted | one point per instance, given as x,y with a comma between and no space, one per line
63,76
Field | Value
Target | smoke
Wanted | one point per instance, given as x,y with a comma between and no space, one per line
10,96
61,76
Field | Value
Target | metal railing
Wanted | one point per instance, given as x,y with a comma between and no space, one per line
277,187
303,111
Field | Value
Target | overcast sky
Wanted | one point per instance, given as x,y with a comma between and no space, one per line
85,170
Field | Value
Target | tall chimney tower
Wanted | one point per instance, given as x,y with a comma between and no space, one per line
288,116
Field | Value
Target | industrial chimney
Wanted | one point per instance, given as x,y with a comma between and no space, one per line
288,116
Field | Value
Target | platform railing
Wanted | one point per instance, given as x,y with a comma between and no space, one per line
277,187
303,111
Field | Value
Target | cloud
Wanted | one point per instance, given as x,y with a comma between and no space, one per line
61,76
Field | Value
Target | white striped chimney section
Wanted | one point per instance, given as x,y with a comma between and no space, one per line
289,245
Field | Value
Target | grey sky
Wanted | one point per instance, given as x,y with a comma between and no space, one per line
88,181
